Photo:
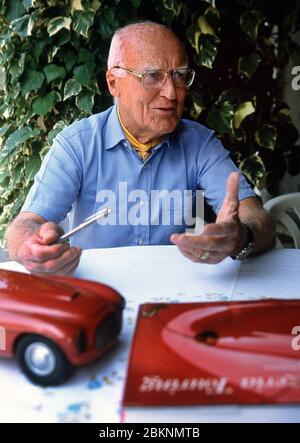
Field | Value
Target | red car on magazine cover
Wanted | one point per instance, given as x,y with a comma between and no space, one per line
52,324
214,353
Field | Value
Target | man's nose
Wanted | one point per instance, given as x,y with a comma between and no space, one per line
168,89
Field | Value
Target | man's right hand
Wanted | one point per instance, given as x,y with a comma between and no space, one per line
40,253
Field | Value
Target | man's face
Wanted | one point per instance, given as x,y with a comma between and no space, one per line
150,113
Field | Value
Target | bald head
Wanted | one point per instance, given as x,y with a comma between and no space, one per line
137,38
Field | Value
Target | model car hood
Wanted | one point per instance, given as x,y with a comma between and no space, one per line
44,296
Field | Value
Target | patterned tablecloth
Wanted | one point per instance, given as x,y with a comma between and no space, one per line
141,274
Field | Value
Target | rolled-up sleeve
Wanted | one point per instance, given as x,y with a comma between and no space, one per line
214,166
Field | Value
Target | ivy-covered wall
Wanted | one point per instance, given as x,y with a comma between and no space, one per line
52,71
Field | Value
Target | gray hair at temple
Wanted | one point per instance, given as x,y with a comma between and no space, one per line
116,52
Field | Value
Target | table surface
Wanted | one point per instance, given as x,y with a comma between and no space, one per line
141,274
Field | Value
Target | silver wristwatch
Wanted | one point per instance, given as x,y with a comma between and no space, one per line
248,248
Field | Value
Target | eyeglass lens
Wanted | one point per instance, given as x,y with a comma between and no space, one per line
156,78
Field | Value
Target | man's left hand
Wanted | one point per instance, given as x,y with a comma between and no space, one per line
221,239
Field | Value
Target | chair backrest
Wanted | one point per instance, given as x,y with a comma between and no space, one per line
285,209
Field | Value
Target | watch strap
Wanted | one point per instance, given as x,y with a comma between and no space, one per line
249,246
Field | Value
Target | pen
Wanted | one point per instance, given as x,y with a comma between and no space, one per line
88,221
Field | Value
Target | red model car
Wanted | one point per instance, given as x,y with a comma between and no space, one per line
55,323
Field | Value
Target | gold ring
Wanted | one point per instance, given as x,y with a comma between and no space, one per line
205,256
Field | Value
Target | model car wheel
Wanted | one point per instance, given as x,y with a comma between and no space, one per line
42,361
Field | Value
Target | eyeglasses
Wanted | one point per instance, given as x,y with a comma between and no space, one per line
155,78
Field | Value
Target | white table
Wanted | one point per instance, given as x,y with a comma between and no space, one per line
143,273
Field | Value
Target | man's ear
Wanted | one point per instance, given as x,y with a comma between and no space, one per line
112,83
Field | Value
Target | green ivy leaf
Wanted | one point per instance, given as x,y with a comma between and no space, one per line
70,61
207,50
253,167
83,74
244,109
95,5
231,95
93,86
29,4
76,5
221,119
58,23
7,51
4,174
108,22
82,21
266,137
17,68
15,95
31,81
5,112
53,72
43,105
17,178
17,204
62,37
72,87
58,127
2,77
197,105
4,129
31,168
248,65
38,49
250,22
20,136
212,16
85,101
209,22
23,26
204,26
174,6
87,58
193,35
14,9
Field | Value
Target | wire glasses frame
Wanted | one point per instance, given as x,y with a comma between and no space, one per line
155,78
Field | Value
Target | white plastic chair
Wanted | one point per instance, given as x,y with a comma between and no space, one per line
285,210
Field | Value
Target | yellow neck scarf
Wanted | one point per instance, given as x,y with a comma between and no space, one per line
142,149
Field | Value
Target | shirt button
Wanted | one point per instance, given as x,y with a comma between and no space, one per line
141,241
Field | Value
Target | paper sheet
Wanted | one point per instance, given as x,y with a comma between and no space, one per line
275,274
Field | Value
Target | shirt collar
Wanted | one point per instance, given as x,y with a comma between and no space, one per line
114,133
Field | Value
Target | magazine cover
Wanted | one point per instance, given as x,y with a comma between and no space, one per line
236,353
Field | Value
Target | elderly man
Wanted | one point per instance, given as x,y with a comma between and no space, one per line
118,157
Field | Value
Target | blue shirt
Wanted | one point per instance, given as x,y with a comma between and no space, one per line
91,165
